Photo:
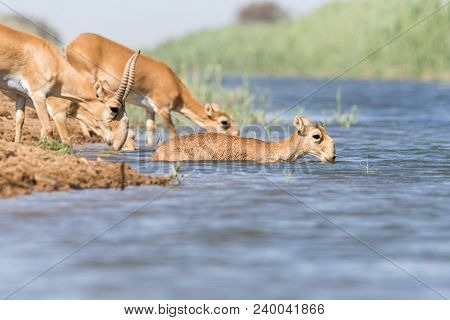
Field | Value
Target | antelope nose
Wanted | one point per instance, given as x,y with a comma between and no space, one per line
333,158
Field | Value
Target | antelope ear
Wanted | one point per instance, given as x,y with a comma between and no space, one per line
299,124
100,91
106,86
209,109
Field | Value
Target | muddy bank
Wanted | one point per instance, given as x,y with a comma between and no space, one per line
32,126
26,169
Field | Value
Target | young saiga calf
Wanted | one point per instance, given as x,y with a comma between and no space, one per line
308,138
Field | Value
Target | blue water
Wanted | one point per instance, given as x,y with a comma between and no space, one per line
375,225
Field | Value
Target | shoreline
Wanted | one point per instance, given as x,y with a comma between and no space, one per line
294,76
26,168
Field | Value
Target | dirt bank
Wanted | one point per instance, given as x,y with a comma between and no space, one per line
32,126
26,169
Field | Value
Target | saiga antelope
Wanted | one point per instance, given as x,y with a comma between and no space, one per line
157,88
308,138
32,69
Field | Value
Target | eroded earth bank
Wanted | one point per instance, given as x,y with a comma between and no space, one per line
27,168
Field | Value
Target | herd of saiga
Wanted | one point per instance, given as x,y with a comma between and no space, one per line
95,77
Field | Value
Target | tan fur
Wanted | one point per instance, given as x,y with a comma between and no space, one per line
32,69
63,108
308,139
157,87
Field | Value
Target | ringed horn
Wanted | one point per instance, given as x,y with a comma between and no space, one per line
128,79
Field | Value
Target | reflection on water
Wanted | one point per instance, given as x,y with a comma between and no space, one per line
240,230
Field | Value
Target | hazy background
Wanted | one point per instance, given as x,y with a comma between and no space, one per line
139,23
308,38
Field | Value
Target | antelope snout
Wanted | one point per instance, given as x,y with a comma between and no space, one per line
120,134
329,152
235,132
107,136
329,160
231,131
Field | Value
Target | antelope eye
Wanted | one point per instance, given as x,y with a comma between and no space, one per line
114,109
316,137
224,122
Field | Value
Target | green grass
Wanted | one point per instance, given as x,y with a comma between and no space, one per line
56,146
327,41
345,118
208,86
136,116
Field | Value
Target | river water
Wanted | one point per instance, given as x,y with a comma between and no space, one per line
374,225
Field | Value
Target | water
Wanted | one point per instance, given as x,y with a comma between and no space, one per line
373,225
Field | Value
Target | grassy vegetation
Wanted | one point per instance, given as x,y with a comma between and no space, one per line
136,115
327,41
56,146
345,118
208,86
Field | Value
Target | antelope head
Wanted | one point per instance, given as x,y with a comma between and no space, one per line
110,111
314,140
219,121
